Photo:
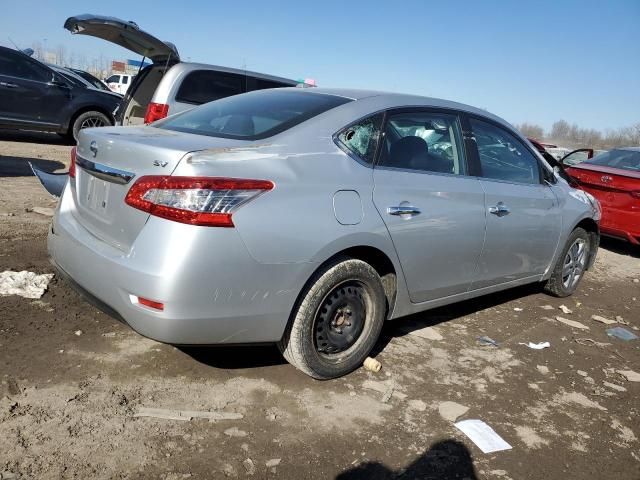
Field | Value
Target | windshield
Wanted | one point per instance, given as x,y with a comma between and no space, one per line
91,79
624,159
252,116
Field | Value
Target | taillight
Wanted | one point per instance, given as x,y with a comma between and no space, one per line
156,111
72,165
635,194
207,201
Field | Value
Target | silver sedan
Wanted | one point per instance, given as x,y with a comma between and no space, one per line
308,217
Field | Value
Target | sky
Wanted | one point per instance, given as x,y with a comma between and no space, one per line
524,61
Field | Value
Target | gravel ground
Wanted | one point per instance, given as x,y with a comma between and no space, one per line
72,379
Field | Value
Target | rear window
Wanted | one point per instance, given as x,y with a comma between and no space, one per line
202,86
113,79
624,159
252,116
261,84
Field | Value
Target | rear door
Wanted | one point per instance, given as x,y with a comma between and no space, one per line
433,210
523,213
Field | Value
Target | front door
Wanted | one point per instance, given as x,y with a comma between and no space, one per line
27,95
523,214
433,211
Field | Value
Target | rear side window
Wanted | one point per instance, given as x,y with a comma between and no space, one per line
424,141
19,66
125,80
503,156
362,138
252,116
202,86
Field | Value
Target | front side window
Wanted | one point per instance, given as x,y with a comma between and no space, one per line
20,66
252,116
424,141
202,86
362,138
503,156
125,80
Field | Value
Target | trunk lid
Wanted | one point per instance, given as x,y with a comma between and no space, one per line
589,167
109,161
127,34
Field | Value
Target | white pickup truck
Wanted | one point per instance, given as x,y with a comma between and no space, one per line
119,82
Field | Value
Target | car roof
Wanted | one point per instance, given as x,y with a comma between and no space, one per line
207,66
631,149
399,100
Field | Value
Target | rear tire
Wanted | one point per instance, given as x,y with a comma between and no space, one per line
88,120
336,321
571,265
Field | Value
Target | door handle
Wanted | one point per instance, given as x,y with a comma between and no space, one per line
403,210
8,85
500,210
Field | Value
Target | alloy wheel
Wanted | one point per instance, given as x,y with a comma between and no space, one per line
92,122
574,263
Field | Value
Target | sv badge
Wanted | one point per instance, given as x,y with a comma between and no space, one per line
157,163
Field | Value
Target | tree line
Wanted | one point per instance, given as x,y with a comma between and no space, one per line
99,66
569,135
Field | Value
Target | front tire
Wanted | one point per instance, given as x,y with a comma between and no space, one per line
89,120
336,321
571,265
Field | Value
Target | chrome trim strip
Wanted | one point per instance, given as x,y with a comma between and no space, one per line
104,172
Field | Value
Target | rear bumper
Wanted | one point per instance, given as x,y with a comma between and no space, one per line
213,291
633,237
621,224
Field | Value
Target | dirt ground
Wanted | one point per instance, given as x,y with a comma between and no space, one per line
67,401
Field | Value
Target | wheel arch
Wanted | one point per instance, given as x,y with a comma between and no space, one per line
593,229
375,257
88,108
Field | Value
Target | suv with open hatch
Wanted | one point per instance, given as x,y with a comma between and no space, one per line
168,85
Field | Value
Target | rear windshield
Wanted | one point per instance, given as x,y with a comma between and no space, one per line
252,116
624,159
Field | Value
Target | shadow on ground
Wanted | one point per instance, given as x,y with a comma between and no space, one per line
250,356
620,247
445,460
236,357
404,326
19,166
26,136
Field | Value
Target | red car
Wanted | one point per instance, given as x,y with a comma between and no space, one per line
612,177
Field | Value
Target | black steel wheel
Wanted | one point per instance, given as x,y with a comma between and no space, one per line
341,318
337,319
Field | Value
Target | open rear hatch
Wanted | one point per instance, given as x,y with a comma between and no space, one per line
110,160
123,33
